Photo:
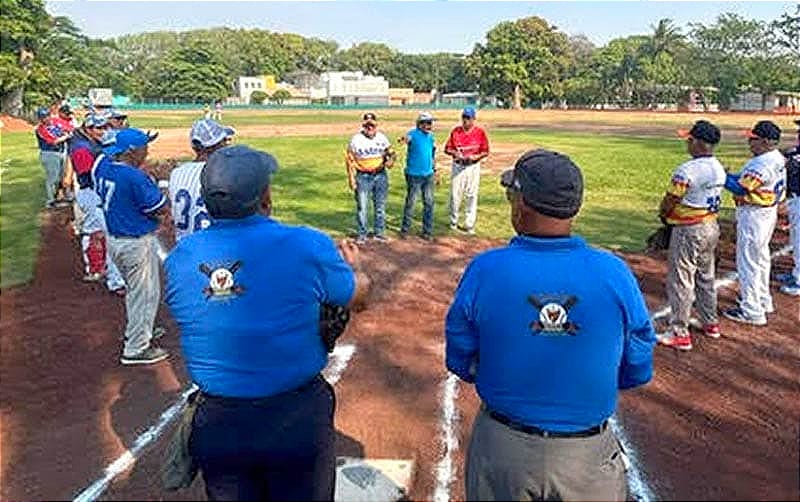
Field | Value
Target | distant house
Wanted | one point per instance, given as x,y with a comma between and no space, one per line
353,88
401,96
423,98
245,86
776,102
459,98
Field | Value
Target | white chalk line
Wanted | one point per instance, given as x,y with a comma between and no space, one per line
337,363
637,482
445,473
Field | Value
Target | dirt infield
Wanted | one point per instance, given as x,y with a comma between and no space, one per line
720,422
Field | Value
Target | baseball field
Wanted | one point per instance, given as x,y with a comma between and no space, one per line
719,422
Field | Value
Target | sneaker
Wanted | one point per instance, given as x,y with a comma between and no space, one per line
403,235
453,226
361,239
427,237
676,338
94,277
120,292
381,238
149,355
712,330
736,314
791,289
467,230
785,278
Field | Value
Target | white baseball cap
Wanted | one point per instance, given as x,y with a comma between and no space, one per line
425,117
209,132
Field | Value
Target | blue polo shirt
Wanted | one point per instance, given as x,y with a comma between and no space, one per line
555,329
246,294
129,197
419,160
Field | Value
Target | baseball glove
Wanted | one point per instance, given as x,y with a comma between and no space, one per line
332,323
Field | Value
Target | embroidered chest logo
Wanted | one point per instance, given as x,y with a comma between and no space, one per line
221,283
553,315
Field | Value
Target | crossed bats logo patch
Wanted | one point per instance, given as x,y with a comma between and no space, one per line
221,282
553,318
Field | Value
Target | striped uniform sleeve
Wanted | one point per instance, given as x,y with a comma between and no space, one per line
679,183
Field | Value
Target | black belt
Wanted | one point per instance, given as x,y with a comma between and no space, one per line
378,171
530,429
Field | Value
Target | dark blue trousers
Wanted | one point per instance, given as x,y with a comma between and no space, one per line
275,448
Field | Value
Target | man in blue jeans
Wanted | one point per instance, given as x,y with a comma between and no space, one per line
420,170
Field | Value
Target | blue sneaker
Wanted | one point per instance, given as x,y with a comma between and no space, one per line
736,314
791,288
785,278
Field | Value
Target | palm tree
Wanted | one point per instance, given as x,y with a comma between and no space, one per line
666,38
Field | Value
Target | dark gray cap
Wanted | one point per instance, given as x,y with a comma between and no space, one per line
234,179
549,182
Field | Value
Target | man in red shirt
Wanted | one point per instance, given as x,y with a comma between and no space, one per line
468,145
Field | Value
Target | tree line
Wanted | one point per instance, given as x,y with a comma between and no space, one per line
526,62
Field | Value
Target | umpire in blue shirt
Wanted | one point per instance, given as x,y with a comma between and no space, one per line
246,294
548,329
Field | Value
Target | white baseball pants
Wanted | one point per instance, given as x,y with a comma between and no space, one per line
754,227
464,184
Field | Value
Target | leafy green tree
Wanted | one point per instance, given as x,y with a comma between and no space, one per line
523,61
24,24
369,57
194,73
279,96
258,97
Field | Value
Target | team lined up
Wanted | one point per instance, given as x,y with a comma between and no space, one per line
692,203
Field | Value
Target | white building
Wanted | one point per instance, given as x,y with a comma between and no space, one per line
351,88
246,85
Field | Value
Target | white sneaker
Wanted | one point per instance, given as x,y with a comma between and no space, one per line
791,289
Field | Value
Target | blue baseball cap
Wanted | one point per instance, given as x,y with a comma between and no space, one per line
469,112
129,139
42,113
234,179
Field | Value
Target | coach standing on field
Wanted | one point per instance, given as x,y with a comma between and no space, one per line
549,329
133,204
692,205
420,174
468,145
757,189
246,294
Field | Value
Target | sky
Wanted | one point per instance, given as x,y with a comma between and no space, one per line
408,26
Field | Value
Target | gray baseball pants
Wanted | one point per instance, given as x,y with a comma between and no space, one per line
505,464
691,273
137,260
53,163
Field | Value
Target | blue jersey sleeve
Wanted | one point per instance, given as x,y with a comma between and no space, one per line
147,196
733,186
636,367
336,282
461,332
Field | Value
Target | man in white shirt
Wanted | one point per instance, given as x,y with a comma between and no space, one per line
188,209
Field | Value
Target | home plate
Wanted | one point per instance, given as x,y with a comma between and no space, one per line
372,480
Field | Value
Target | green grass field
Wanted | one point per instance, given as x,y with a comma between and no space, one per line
624,177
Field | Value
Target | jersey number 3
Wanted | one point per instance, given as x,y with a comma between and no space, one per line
201,219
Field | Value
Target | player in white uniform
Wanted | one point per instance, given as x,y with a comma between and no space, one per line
691,204
758,190
188,210
368,155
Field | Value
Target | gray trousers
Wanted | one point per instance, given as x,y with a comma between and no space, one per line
691,272
53,163
505,464
137,260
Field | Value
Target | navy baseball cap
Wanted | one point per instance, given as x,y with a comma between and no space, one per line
468,112
42,113
129,139
369,118
234,179
549,182
764,129
704,131
65,109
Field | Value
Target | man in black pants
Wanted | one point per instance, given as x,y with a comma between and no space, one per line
246,293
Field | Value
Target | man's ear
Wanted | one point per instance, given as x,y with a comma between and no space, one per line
266,202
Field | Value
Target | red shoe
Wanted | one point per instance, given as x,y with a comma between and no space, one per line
712,330
676,338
